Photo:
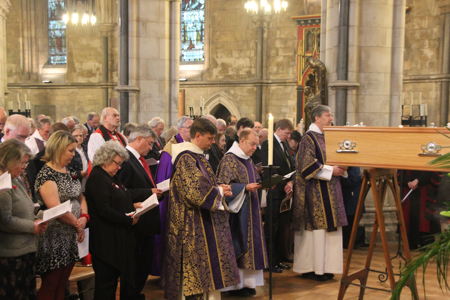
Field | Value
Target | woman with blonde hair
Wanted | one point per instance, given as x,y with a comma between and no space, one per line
57,248
18,228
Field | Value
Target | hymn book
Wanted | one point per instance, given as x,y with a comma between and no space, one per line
164,186
56,212
5,182
150,203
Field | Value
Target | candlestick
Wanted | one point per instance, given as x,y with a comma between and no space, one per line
270,140
27,105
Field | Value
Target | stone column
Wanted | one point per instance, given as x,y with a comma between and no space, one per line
375,67
444,5
154,55
4,9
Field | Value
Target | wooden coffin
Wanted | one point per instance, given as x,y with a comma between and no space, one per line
410,148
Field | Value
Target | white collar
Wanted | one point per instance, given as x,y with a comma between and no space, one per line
278,138
236,150
37,135
133,151
315,128
185,146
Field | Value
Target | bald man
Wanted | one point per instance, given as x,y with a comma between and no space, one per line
3,117
108,130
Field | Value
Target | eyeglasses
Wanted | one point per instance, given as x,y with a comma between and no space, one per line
117,164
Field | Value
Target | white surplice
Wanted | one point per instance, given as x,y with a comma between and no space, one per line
319,251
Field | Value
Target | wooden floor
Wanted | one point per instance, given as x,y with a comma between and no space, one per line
289,286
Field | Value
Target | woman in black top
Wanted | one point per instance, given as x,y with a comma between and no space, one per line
112,241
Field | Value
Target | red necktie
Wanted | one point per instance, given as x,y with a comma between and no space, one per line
147,170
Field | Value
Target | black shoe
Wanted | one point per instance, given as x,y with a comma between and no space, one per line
323,277
239,293
252,292
283,266
329,275
277,269
309,275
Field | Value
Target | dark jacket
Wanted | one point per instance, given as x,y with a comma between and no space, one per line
110,230
280,159
133,176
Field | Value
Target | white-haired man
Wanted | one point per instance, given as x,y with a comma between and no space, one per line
36,142
16,127
110,122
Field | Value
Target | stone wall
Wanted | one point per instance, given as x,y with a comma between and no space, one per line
229,75
76,88
424,55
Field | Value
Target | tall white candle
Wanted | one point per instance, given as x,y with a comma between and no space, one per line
18,101
270,140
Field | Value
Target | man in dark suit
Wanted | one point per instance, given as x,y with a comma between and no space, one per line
135,173
92,123
281,158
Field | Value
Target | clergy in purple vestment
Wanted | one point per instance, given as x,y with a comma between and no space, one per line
318,206
238,170
199,257
165,172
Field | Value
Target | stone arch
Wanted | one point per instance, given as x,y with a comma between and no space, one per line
222,98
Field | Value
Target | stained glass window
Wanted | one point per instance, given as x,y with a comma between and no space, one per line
57,51
192,31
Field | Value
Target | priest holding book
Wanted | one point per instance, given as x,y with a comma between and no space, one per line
238,170
200,258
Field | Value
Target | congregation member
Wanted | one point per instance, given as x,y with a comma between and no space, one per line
57,247
200,257
69,122
240,125
258,126
108,130
351,186
238,170
3,117
221,142
318,208
36,142
157,125
135,173
292,143
16,127
221,126
280,221
80,162
213,154
18,227
112,240
127,129
92,123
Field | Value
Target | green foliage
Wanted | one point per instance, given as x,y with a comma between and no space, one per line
438,252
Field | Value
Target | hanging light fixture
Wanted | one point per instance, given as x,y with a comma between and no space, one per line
265,6
81,12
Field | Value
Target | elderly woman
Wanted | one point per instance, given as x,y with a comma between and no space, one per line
57,248
112,241
79,162
18,229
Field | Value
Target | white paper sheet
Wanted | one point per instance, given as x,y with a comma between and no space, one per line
164,186
5,182
264,198
57,211
287,176
148,204
83,247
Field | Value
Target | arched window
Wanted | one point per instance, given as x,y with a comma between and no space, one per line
192,31
57,51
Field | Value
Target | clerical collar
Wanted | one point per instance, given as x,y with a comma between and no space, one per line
315,128
133,151
185,146
236,150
